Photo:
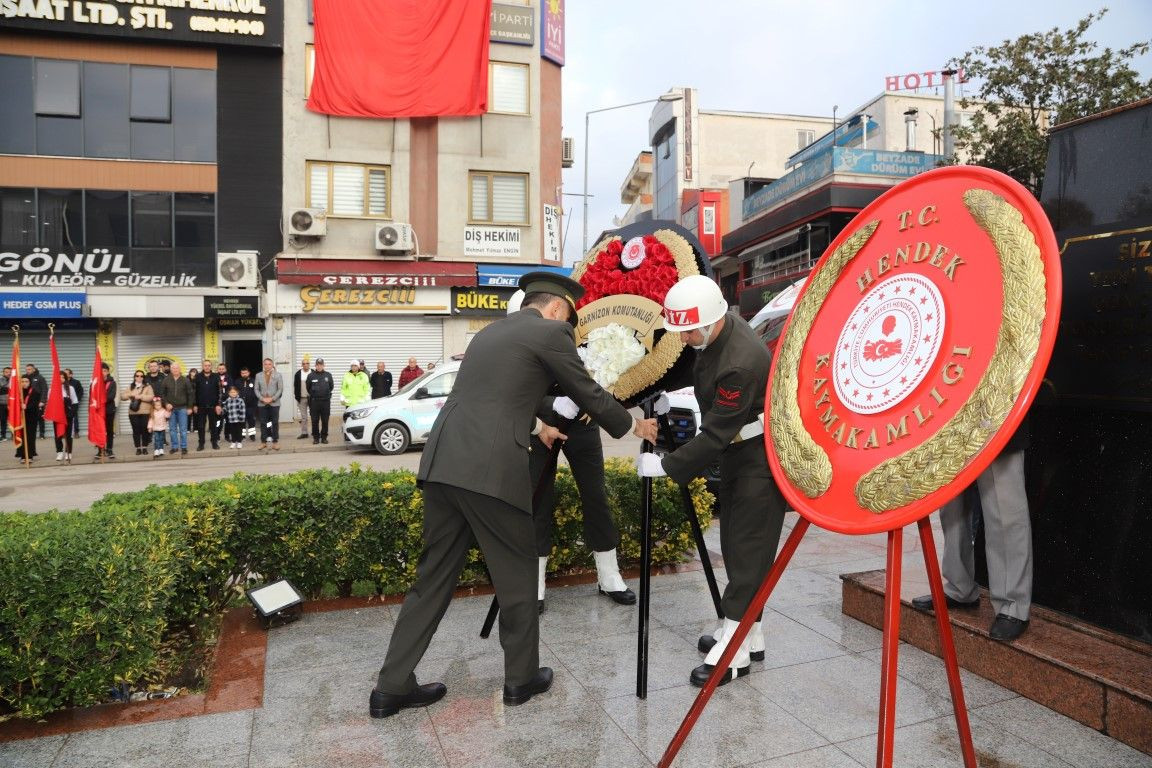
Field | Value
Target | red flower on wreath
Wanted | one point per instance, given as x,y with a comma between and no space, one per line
607,276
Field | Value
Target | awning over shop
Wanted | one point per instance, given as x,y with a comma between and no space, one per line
508,275
374,272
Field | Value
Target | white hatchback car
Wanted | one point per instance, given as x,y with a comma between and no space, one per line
395,423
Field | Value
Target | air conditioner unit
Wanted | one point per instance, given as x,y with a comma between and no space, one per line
567,153
310,222
393,236
237,270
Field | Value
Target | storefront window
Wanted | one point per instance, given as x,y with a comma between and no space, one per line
151,220
105,219
17,217
61,219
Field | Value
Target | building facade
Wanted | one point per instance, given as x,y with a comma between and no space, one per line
403,237
140,180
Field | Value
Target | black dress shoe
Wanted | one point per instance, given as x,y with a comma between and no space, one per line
924,603
324,440
387,704
1007,627
514,695
700,675
623,597
706,642
200,447
540,606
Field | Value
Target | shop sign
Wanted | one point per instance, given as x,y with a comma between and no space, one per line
317,298
508,275
365,273
210,22
514,24
68,270
552,233
231,306
42,304
225,323
480,301
492,242
552,31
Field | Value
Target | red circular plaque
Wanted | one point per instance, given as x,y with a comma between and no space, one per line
914,350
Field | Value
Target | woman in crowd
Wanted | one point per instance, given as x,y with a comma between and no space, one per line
139,410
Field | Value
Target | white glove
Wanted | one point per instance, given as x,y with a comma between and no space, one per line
661,405
566,407
650,465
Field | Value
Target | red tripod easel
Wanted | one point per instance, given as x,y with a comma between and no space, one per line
891,644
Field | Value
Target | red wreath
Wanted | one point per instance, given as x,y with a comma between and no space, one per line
652,279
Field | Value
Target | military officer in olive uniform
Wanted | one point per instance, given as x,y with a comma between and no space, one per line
729,378
474,473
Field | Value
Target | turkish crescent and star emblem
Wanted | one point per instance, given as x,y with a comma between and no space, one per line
914,350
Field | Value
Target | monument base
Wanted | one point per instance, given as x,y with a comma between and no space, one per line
1099,678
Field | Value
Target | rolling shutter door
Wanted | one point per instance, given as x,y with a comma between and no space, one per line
77,350
180,340
341,339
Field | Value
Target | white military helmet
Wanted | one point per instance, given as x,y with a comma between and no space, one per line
515,300
693,302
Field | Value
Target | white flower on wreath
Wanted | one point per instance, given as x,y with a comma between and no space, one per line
609,351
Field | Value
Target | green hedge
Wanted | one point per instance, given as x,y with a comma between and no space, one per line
96,599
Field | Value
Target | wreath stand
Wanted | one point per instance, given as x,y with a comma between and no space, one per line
891,644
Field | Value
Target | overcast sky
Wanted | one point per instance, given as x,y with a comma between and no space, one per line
771,56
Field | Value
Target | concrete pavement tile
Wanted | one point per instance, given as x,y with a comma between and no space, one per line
799,586
395,745
607,667
580,609
689,604
840,698
335,637
1060,735
588,739
821,757
927,671
828,619
739,726
860,562
214,741
31,753
934,743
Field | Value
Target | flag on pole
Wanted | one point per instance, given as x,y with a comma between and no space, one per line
54,409
97,396
15,399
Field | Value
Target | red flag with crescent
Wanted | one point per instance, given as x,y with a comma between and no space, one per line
97,396
54,409
15,401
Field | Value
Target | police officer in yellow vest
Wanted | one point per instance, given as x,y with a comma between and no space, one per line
729,378
474,473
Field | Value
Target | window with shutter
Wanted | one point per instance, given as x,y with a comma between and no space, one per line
498,198
508,88
345,189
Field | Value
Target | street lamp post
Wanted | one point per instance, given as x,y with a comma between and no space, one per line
587,116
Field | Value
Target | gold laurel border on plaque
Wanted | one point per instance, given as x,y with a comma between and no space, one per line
935,462
806,463
666,352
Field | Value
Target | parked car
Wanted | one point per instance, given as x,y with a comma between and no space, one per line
395,423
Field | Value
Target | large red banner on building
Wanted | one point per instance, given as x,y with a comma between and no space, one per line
401,58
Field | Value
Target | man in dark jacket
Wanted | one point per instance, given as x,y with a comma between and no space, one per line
247,387
474,472
381,381
729,378
41,386
204,409
319,386
110,397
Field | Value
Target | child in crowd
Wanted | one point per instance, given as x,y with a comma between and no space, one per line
158,426
235,414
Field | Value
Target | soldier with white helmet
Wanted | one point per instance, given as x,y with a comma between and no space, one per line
730,378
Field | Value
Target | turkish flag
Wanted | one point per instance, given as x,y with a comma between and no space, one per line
15,400
97,396
401,58
54,410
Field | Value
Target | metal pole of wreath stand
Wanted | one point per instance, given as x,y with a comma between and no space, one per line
891,644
